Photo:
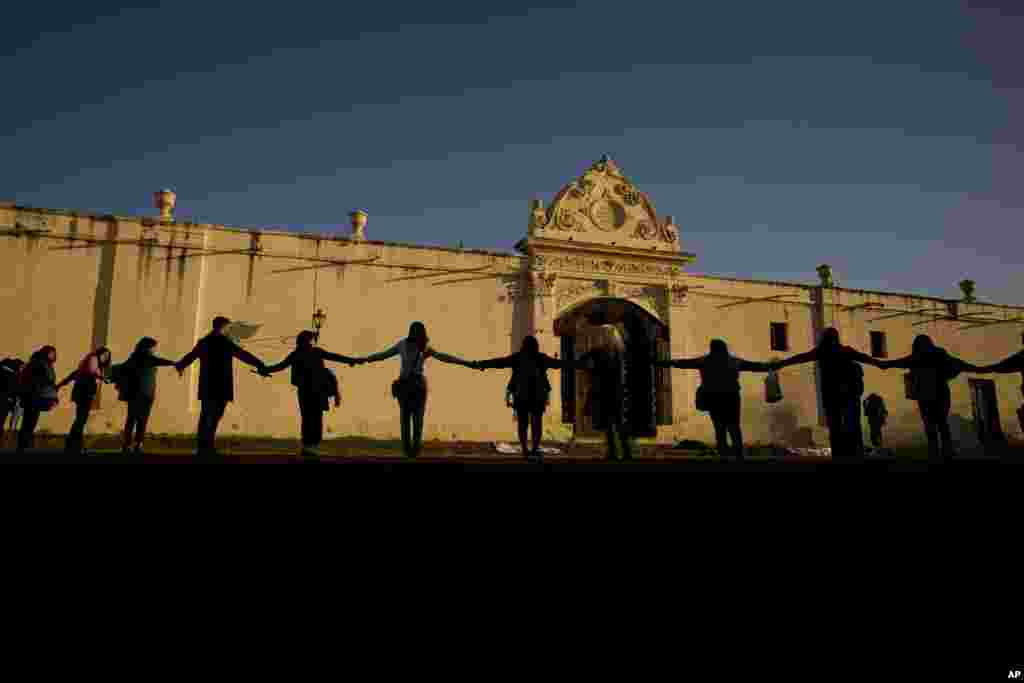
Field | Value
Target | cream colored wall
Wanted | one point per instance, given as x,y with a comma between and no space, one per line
369,307
746,328
74,294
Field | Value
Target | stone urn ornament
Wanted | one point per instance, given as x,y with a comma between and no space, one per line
967,287
165,201
359,219
825,274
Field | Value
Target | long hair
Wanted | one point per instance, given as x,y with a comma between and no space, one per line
144,345
98,353
719,348
609,339
44,353
418,335
530,346
923,344
829,338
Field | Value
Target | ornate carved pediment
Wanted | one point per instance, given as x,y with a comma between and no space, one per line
603,265
603,206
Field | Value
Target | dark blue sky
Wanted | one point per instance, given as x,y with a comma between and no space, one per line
885,138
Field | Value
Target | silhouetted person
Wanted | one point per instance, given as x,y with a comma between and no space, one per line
410,389
138,389
720,391
88,376
9,369
874,410
1014,363
530,388
310,376
38,391
931,370
842,385
606,397
216,354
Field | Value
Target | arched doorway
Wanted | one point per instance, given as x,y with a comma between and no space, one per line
648,390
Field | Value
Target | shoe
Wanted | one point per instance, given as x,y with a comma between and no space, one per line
311,450
138,452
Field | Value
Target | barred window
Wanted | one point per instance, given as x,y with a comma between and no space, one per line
878,345
780,337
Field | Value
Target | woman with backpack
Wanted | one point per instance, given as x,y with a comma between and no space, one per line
136,385
931,370
37,387
313,381
87,378
842,385
719,391
410,389
529,387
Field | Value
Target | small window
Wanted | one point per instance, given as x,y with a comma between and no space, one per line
780,337
878,349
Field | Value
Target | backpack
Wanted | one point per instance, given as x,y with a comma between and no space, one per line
9,376
331,384
125,379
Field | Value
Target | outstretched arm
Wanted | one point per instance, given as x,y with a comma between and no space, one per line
190,357
680,363
338,358
863,358
271,369
447,358
963,366
503,362
796,360
68,380
246,357
552,363
906,362
373,357
754,366
1014,363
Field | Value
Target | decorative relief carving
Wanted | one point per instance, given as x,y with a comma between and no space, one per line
580,290
645,231
603,199
514,287
595,265
567,219
607,215
679,294
648,296
629,195
31,222
149,234
538,216
543,283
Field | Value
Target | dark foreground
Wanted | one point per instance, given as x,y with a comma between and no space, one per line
662,461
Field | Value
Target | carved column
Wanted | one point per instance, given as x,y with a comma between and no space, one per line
542,285
684,382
